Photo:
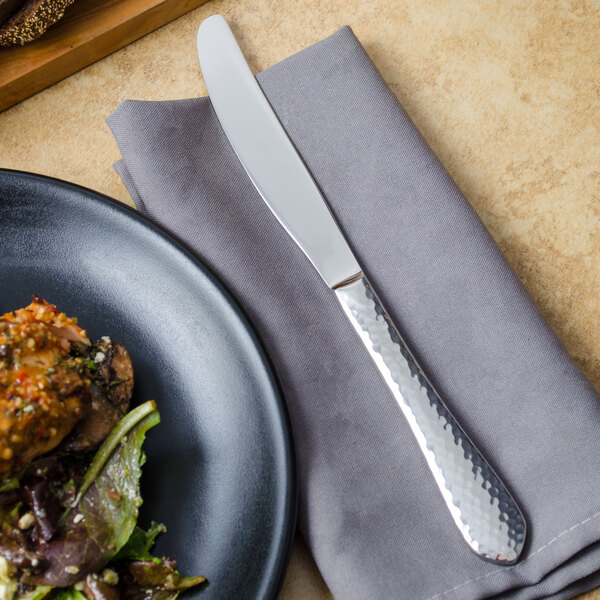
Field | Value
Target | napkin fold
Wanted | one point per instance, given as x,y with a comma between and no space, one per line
369,509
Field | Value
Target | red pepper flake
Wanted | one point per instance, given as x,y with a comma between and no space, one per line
21,376
113,494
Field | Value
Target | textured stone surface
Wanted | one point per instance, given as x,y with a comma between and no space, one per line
506,94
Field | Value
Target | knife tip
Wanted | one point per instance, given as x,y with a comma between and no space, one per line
212,21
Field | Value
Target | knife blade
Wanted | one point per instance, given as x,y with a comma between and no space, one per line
481,506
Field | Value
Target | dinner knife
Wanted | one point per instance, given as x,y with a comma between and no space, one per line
484,511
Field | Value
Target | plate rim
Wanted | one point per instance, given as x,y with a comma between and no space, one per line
285,543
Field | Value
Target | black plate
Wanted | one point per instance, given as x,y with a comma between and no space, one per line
220,470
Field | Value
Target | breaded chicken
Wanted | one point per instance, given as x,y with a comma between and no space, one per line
43,387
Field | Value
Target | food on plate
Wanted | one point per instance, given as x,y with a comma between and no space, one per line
56,384
22,21
70,465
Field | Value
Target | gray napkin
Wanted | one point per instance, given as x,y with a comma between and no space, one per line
369,509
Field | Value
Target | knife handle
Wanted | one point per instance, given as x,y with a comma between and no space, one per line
481,506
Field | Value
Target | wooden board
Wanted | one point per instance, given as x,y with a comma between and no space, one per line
90,30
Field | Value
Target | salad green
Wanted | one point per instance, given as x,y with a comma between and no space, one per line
92,549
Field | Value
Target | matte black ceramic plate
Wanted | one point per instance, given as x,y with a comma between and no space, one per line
220,467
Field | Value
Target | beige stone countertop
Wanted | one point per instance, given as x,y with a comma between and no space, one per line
507,94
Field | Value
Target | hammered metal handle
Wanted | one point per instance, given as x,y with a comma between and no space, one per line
482,508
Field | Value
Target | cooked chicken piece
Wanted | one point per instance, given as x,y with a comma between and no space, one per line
111,389
43,387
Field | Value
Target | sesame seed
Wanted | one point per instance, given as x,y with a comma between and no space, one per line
26,521
110,577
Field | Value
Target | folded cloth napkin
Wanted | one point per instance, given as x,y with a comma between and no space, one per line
369,508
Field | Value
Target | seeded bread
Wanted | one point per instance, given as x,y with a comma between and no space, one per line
31,20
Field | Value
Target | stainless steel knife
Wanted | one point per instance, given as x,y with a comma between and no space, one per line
481,506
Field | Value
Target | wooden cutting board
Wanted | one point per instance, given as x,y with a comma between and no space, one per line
90,30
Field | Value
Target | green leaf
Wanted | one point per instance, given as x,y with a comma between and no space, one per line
69,593
109,499
139,544
130,420
37,594
9,484
155,580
